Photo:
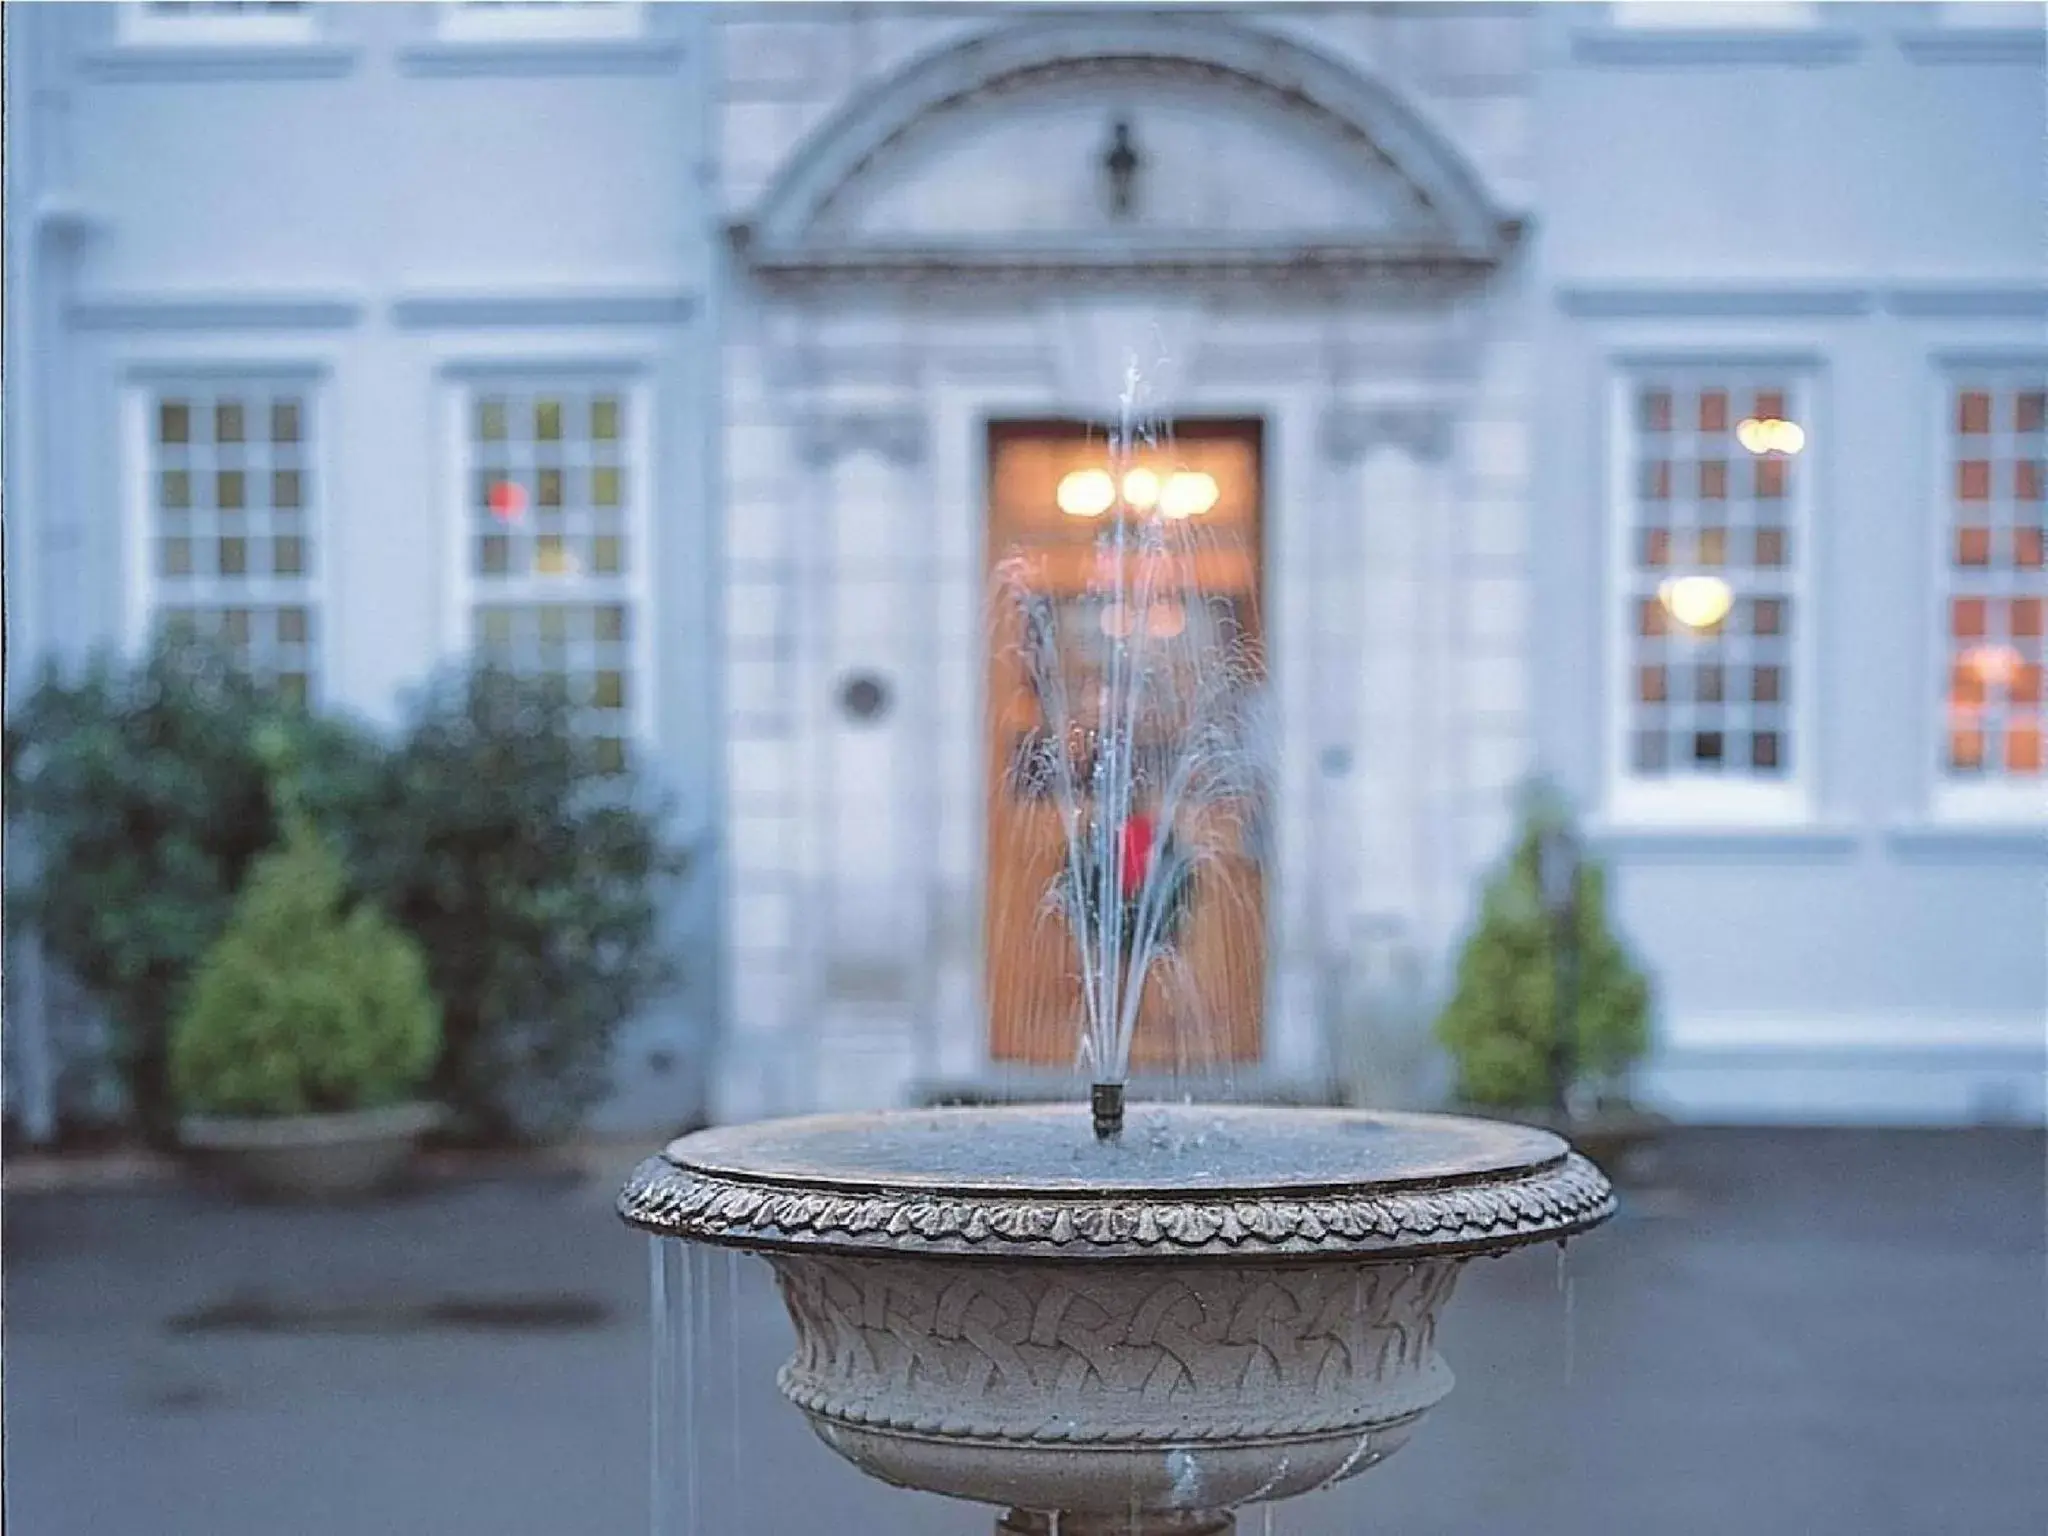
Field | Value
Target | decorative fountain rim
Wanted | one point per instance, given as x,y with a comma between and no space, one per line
756,1187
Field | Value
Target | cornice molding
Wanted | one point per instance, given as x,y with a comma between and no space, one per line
243,61
1975,45
1445,269
1963,299
1729,301
251,311
542,57
457,308
1713,47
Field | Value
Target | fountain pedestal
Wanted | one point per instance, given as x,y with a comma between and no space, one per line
1224,1306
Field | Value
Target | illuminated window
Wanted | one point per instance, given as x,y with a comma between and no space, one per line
1711,524
214,22
539,20
1994,518
553,543
227,537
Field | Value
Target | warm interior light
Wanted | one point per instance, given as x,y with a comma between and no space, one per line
1116,621
1165,620
1141,489
553,560
1770,434
1697,602
1994,664
1188,493
1086,493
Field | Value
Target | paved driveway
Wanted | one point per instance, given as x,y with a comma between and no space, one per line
1799,1333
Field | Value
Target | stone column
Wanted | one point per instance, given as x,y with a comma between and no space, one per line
1388,592
861,714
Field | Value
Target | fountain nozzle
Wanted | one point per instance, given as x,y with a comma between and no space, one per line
1107,1100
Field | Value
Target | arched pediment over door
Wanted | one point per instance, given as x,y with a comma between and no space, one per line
1096,147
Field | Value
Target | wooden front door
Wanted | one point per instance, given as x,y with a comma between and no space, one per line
1203,1008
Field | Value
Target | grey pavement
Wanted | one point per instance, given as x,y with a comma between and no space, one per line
1806,1333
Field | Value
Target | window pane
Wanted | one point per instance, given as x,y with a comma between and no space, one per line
230,490
1707,749
1650,685
1713,410
1766,685
604,418
284,489
2028,405
1655,547
174,557
2024,618
1763,751
1713,479
284,421
174,422
547,421
2026,480
1973,546
288,557
1973,480
1649,752
2023,747
1973,415
605,486
1767,616
227,421
174,490
1770,547
1966,618
234,557
491,417
2026,548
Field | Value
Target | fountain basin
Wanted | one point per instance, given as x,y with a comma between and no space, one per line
1227,1305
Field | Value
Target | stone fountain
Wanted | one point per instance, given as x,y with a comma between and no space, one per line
1102,1319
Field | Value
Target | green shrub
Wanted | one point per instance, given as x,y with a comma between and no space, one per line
533,881
142,799
1502,1019
301,1008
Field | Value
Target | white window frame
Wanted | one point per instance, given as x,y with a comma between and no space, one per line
462,21
2004,800
140,388
140,26
1732,800
461,384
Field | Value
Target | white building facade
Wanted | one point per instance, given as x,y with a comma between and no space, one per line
738,294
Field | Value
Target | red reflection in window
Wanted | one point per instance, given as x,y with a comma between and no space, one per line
508,501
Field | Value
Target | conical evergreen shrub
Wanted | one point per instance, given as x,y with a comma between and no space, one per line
301,1008
1502,1019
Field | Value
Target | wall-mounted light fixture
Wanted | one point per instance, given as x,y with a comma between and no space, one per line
1697,602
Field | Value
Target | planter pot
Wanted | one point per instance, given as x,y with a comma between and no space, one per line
1226,1306
310,1157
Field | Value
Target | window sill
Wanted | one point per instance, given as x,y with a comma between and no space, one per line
1975,45
543,57
1712,47
221,61
1734,840
2000,841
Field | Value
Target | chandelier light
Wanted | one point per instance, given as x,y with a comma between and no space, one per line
1086,493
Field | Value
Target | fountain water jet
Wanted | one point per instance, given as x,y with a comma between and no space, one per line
1193,1309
